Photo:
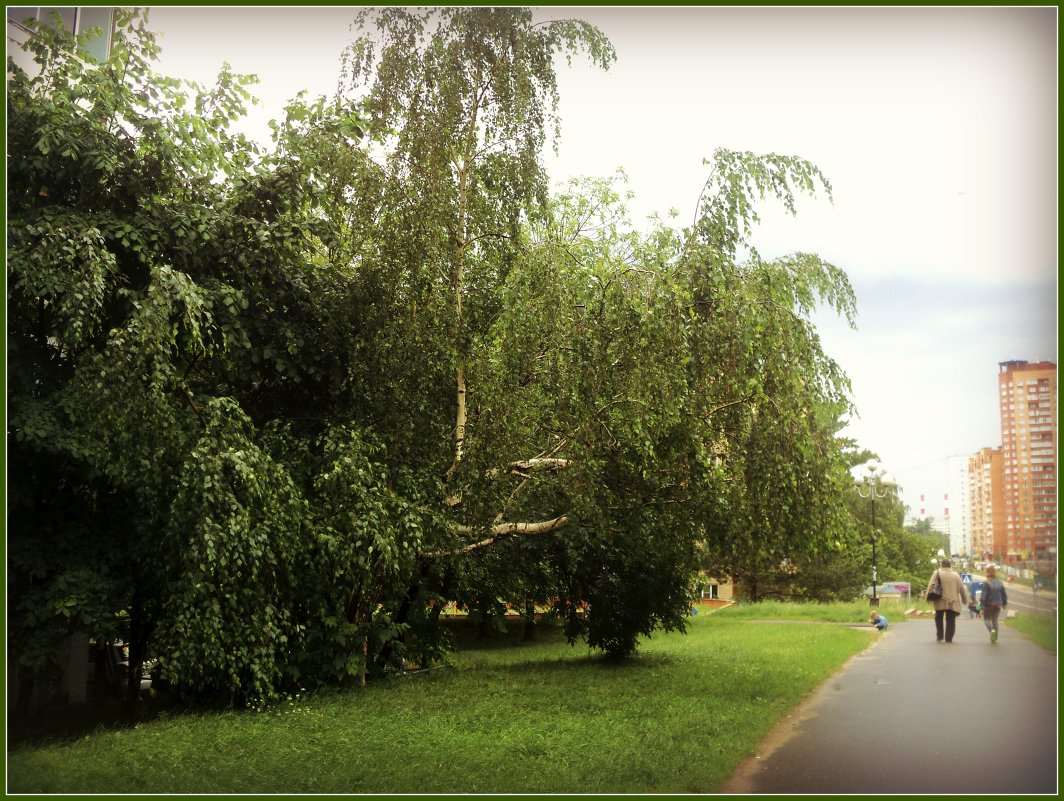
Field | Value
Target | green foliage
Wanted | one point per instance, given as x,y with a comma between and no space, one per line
771,396
112,185
902,553
934,539
298,399
727,208
165,325
235,530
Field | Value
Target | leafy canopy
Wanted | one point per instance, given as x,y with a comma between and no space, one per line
296,399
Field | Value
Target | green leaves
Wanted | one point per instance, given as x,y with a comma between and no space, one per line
125,255
57,261
235,527
243,370
726,211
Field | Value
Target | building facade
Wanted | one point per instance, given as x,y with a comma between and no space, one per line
1028,402
957,506
987,504
79,20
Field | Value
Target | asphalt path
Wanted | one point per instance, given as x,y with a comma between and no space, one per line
912,715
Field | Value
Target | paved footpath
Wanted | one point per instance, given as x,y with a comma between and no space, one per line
870,729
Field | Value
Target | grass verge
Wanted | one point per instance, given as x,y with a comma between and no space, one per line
853,612
1038,627
541,717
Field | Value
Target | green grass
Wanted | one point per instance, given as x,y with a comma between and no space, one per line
852,612
542,717
1038,627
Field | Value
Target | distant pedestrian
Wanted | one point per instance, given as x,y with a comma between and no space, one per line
878,620
950,604
993,600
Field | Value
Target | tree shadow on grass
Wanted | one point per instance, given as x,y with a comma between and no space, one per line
63,724
583,660
527,655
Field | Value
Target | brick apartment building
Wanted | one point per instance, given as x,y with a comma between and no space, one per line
1028,403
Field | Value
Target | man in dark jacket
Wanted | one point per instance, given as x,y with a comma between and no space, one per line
993,600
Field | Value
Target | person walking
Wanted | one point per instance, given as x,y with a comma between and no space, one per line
949,605
993,600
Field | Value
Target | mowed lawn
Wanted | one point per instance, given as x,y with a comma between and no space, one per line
506,717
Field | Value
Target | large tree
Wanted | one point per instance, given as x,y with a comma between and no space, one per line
608,398
297,399
162,314
112,195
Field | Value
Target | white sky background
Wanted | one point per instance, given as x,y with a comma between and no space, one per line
937,128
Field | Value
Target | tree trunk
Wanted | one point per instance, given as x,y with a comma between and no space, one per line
530,621
365,661
462,240
460,417
24,698
137,647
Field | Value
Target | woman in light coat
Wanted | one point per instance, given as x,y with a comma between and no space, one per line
953,600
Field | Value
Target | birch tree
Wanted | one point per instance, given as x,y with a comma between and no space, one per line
470,97
605,399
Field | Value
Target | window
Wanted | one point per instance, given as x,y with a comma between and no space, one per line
77,20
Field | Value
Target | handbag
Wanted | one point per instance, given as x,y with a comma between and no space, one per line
935,592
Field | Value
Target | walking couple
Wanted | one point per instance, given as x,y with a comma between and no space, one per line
952,598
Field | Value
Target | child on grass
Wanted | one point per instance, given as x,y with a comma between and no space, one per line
877,620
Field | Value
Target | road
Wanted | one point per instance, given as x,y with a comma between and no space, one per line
1024,599
911,715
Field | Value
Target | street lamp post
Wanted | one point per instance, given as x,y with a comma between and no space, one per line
877,484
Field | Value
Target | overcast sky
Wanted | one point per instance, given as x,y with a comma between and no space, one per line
937,128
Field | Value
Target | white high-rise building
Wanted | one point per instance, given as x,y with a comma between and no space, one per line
923,514
957,505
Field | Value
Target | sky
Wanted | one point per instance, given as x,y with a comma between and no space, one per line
937,128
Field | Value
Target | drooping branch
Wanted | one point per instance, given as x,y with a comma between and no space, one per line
499,531
192,404
513,495
728,405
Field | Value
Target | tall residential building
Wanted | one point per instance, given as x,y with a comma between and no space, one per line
986,505
1028,402
958,503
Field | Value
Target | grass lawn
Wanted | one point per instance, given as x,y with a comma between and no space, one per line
1039,627
506,717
